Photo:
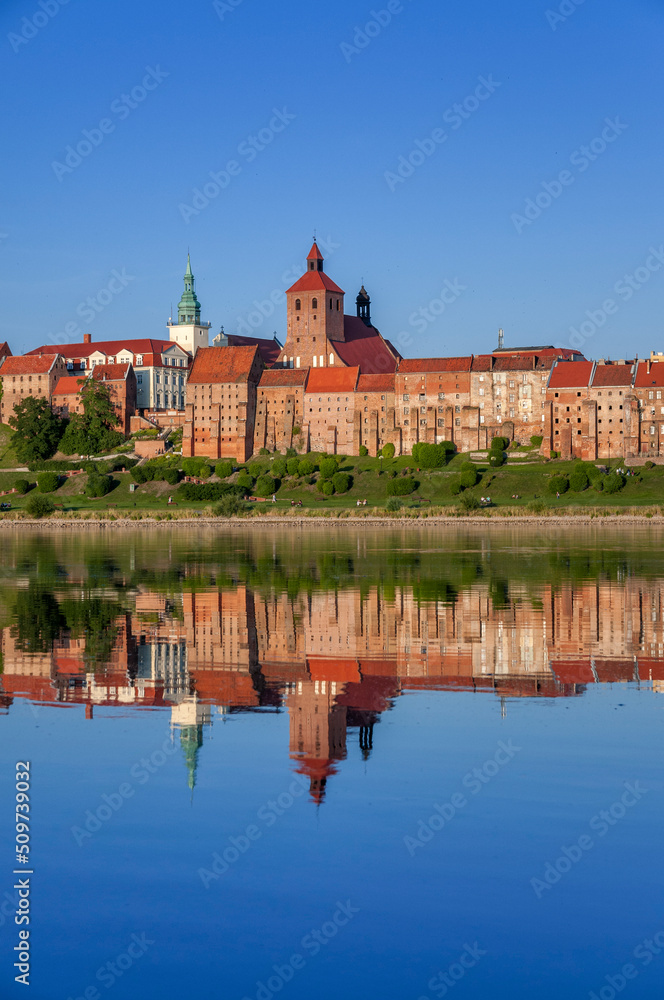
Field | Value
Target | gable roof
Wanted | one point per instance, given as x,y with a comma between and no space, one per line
110,348
571,375
223,364
618,374
68,385
270,349
28,364
365,347
111,373
332,379
275,377
376,383
649,375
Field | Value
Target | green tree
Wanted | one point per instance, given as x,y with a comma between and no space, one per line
38,618
38,429
39,505
92,431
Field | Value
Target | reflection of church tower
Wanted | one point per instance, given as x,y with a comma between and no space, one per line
191,740
317,732
189,716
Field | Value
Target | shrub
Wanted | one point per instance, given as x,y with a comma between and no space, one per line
205,472
245,481
388,450
172,476
468,476
305,467
364,451
39,506
558,484
454,483
279,467
613,483
342,482
209,491
228,506
429,456
263,451
536,440
327,487
266,486
48,482
401,487
98,486
469,502
292,452
537,506
293,466
553,454
22,486
578,481
142,474
393,504
328,467
296,431
224,469
496,459
193,466
649,465
499,444
256,469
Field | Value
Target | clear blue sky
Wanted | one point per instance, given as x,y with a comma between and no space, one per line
355,114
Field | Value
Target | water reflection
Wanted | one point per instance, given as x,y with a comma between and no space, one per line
330,631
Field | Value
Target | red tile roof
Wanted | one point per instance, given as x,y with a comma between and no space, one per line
110,348
110,373
69,385
5,350
571,375
29,364
647,379
375,383
365,347
392,349
314,253
223,364
434,365
312,281
613,375
283,377
332,379
269,349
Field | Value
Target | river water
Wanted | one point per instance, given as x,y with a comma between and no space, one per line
335,762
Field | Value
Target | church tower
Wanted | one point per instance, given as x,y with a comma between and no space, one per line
188,331
363,303
315,318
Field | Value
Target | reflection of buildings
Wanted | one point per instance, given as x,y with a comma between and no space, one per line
338,659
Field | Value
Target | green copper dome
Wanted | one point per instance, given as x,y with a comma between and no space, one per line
189,308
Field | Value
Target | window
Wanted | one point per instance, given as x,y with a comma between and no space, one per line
139,380
314,303
406,396
298,305
406,409
337,305
331,359
441,395
457,409
481,392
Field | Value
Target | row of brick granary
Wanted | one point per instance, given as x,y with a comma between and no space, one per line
580,408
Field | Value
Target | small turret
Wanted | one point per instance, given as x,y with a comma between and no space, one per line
364,306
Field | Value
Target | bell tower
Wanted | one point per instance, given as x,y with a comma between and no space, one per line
188,331
363,303
315,317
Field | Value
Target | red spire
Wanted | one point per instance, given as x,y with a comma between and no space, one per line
314,253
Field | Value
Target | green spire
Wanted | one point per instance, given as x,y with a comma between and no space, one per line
189,308
191,740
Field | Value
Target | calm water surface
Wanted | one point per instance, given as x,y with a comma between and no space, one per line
336,763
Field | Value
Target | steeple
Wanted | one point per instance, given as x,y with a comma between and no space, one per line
189,308
315,259
364,306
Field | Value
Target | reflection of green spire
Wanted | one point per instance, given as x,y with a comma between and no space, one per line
191,740
189,308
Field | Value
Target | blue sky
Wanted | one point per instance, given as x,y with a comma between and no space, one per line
353,105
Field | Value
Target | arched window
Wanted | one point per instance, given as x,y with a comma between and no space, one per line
331,359
298,305
314,303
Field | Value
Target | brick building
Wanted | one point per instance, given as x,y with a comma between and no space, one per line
221,402
28,375
330,411
649,392
280,409
121,381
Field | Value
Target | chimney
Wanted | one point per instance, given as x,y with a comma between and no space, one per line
601,361
87,338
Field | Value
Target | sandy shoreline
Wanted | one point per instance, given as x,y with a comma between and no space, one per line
562,521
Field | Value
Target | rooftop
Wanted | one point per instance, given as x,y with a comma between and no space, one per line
416,366
332,379
365,347
571,375
223,364
29,364
283,377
